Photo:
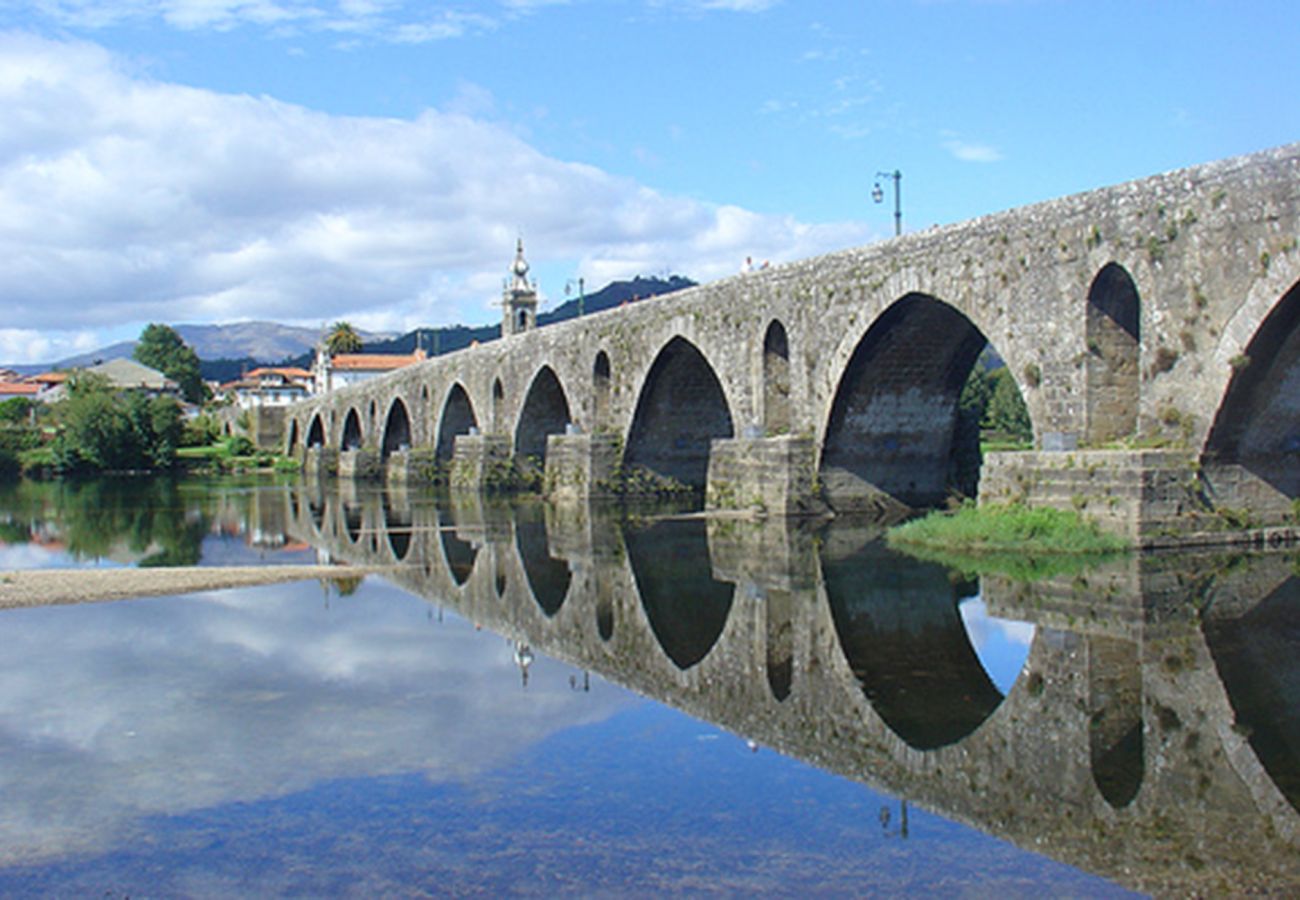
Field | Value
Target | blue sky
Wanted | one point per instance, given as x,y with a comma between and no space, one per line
374,160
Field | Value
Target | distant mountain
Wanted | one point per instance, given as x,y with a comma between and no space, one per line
437,341
225,351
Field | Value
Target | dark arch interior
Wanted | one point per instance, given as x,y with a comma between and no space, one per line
681,409
1115,740
352,431
778,607
457,418
460,555
548,577
1255,654
545,412
498,394
293,436
353,517
890,438
600,383
686,607
902,635
1257,431
316,433
1112,322
397,430
776,379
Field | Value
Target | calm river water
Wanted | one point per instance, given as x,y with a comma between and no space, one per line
541,700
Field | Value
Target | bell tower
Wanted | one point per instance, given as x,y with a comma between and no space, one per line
519,300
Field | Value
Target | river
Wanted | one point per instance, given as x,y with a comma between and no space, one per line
529,699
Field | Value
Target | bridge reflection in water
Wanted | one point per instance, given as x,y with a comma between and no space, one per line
1151,735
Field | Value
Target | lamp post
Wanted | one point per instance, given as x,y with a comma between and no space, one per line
582,295
878,194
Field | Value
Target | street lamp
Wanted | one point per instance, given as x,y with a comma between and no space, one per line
878,194
582,294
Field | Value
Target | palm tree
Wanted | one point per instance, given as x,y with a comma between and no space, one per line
342,338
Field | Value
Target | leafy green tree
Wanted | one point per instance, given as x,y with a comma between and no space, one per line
161,348
16,410
342,338
105,431
1006,411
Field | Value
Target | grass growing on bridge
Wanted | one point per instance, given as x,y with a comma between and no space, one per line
1014,540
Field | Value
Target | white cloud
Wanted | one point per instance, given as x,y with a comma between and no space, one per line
125,200
967,151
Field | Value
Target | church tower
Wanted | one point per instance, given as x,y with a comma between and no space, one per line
519,301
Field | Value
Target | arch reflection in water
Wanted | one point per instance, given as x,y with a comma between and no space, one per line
547,576
1115,718
397,526
1255,654
686,607
459,555
902,634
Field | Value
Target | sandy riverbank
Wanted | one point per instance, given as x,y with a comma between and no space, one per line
50,587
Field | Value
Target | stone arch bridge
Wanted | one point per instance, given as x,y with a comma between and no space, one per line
1160,313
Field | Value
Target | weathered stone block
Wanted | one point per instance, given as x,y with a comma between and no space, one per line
409,466
360,463
580,465
774,476
481,462
317,461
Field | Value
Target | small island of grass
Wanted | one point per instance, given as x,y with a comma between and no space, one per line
1013,540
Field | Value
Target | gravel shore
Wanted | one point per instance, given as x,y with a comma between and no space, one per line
51,587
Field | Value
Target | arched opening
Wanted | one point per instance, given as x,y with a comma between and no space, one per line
1252,455
498,398
352,431
315,433
605,617
894,439
545,412
1115,718
776,380
681,409
778,608
523,320
901,631
397,430
600,390
686,607
548,577
457,418
459,555
1112,326
293,437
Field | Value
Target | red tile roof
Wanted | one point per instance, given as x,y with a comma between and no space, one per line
19,389
376,361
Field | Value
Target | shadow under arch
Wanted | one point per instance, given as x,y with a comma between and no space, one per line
893,421
316,432
1115,740
352,439
457,418
1112,322
548,577
601,381
776,379
1257,427
902,635
293,437
397,429
1255,655
680,410
686,607
545,412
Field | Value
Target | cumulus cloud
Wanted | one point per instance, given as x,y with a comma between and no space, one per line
127,200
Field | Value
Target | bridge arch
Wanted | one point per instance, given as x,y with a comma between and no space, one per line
397,428
457,418
353,438
776,379
1112,328
891,437
545,412
498,400
1115,739
680,410
601,380
315,432
1256,430
292,443
548,578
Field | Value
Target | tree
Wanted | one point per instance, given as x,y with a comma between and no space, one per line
343,338
102,430
1006,411
161,348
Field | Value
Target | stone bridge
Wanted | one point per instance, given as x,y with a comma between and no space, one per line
1127,745
1160,313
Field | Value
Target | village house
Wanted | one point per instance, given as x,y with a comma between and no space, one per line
331,373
